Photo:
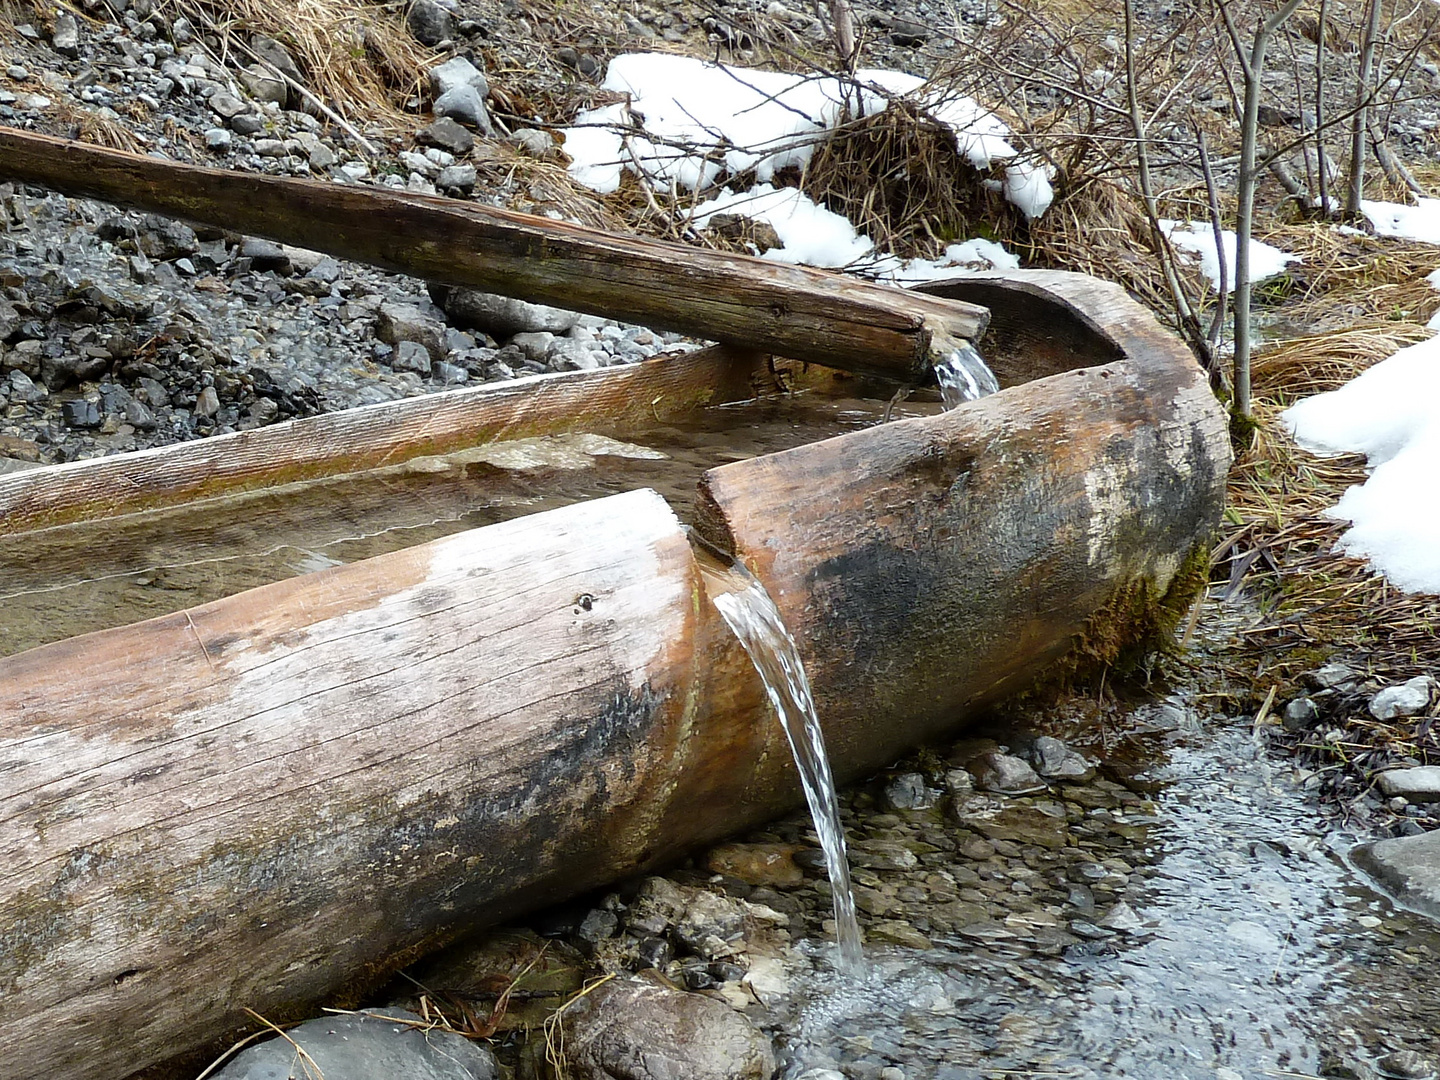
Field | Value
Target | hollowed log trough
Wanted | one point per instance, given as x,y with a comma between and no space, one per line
273,801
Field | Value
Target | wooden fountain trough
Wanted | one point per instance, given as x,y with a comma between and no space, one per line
272,801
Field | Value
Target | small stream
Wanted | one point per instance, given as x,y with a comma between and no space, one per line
1239,946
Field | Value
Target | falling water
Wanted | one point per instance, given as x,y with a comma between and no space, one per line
964,376
756,622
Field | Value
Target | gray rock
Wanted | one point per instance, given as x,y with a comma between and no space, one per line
429,22
908,791
406,322
535,345
1416,785
1331,676
321,156
246,124
66,38
217,139
908,33
457,72
80,413
533,141
1410,698
264,85
411,356
1056,761
1004,773
465,105
459,178
163,239
1300,713
445,134
23,388
368,1046
264,254
567,355
227,105
643,1031
1408,868
207,402
500,316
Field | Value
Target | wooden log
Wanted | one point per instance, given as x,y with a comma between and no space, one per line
274,800
932,567
733,299
613,401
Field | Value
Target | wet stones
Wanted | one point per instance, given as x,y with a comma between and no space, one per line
1407,867
1004,773
646,1031
376,1045
758,864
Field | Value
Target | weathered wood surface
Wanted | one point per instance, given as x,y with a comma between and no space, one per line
931,567
733,299
607,401
273,800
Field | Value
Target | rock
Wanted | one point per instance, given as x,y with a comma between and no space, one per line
908,33
445,134
366,1046
1022,826
406,322
1300,713
66,39
1416,785
1122,917
1056,761
908,791
882,855
80,413
457,72
500,316
1410,698
1004,773
897,932
276,55
597,926
265,254
758,864
707,923
465,105
227,105
411,356
458,178
429,22
207,402
264,85
533,141
1332,676
1408,868
567,355
163,239
1405,1065
643,1031
22,388
246,124
217,139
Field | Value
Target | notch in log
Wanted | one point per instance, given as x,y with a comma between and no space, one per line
751,303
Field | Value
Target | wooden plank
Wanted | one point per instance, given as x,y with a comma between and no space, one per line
607,401
750,303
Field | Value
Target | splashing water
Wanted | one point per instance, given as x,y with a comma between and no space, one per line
964,376
756,621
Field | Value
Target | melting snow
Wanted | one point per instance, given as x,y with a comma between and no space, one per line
1198,238
1405,222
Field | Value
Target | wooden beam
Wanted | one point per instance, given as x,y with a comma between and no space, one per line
751,303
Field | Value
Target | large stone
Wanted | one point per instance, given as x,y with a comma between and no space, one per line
380,1044
1410,698
445,134
66,38
465,105
457,71
1408,868
500,316
406,322
758,864
643,1031
429,22
1004,773
1056,761
1417,785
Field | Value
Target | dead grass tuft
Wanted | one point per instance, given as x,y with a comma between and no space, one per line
358,58
898,177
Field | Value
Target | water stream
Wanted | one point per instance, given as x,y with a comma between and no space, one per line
752,614
964,376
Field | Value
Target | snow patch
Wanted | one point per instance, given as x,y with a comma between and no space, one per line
1391,414
1198,239
1403,222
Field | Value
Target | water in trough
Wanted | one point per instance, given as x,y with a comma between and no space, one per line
964,376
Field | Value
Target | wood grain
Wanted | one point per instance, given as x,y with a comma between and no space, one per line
733,299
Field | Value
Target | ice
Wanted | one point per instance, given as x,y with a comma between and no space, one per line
1391,414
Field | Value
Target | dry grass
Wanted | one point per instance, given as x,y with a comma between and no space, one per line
358,58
